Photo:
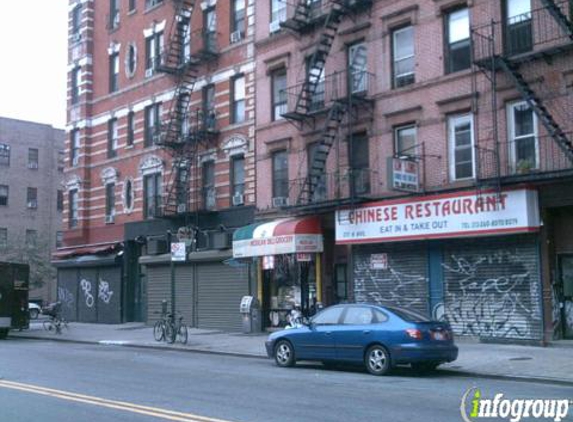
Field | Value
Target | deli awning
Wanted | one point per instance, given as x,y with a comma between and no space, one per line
284,236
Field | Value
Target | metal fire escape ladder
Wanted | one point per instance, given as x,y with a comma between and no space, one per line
317,60
537,106
556,12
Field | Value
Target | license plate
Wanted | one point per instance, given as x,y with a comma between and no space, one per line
439,336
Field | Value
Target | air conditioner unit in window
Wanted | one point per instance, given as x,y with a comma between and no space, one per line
236,36
181,208
280,201
32,165
274,26
33,204
109,219
238,199
149,72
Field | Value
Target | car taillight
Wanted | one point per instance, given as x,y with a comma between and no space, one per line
414,333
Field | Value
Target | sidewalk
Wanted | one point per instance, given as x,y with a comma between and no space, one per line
548,364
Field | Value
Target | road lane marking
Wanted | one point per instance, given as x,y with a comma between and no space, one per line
112,404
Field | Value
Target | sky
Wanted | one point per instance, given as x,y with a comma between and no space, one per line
33,60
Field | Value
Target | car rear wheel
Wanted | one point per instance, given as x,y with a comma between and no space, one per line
34,313
284,354
424,367
377,360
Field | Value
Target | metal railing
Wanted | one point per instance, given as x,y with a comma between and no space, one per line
529,157
359,84
530,32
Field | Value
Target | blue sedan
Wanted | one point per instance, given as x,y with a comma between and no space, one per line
379,337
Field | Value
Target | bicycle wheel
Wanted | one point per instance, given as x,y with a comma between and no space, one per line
170,332
182,334
158,331
48,325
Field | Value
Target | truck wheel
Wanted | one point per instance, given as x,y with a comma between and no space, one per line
3,333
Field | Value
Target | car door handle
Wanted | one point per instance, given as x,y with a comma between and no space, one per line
366,331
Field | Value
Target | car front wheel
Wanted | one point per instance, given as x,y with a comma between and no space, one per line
377,360
34,313
284,354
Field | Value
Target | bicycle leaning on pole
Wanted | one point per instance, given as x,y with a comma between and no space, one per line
56,322
170,329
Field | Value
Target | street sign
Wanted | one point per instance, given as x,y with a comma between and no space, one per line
178,252
379,261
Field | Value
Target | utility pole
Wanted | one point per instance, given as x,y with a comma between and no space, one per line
172,267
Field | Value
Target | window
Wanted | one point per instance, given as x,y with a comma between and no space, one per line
33,156
151,3
522,137
358,315
59,239
357,68
4,155
131,59
152,124
518,27
209,114
32,198
320,192
329,316
31,238
238,101
237,20
76,22
74,147
130,128
4,194
278,13
73,208
3,238
461,147
403,57
182,187
341,282
315,78
458,40
132,5
128,195
60,200
184,28
152,195
114,72
153,50
238,179
209,193
359,164
279,100
280,174
109,202
405,140
61,160
75,82
183,115
113,22
112,138
210,29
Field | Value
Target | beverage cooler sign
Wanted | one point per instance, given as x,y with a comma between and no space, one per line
438,216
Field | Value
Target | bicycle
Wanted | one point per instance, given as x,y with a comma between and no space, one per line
56,322
170,330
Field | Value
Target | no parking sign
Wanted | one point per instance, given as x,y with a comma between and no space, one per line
178,251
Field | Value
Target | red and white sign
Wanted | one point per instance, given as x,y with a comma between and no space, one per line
379,261
447,215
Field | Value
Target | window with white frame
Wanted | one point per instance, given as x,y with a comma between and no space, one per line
278,14
238,179
461,147
357,68
112,138
405,140
33,158
523,145
209,190
130,128
237,20
74,147
153,50
113,22
152,124
114,72
518,27
458,54
403,57
75,85
184,28
238,99
73,208
76,22
279,99
32,198
109,202
152,198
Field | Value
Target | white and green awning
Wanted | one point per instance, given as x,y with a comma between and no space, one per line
284,236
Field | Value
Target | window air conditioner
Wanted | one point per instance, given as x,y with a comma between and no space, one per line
280,201
109,219
32,165
236,36
149,72
274,26
33,204
238,199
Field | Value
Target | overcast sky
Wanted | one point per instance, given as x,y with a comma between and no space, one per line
33,60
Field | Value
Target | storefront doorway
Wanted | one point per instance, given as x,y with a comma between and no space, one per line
565,292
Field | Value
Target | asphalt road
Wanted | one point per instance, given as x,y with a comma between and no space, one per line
50,381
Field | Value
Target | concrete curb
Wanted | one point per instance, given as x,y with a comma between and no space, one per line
458,372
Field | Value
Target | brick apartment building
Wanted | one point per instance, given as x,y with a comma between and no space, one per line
160,146
31,199
416,153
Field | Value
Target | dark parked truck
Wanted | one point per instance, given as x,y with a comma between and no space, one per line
13,297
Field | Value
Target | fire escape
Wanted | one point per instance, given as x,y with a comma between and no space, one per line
184,131
513,48
332,95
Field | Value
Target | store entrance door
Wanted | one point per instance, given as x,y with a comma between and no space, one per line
566,293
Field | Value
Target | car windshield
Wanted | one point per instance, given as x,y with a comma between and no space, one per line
408,315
